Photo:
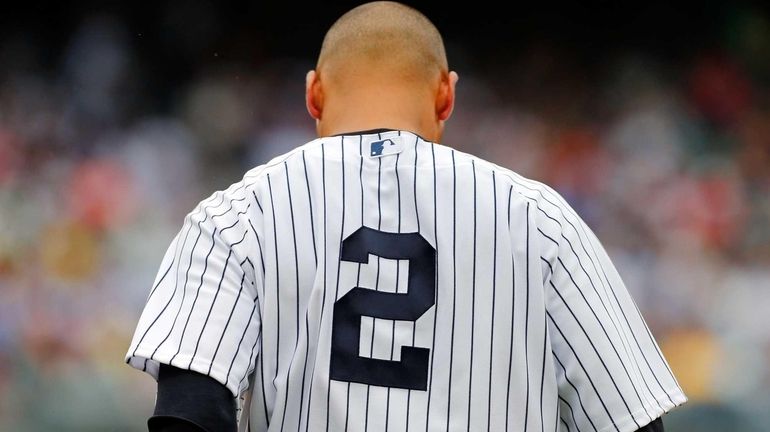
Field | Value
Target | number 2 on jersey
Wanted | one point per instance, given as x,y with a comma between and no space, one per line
345,363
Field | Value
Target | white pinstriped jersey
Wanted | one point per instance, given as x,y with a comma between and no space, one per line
380,282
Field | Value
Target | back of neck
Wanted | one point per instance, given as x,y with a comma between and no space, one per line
374,110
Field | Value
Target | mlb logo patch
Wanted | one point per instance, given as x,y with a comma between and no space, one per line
385,147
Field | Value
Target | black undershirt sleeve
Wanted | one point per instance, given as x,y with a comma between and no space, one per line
191,402
655,426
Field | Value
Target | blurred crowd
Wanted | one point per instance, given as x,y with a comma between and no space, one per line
668,161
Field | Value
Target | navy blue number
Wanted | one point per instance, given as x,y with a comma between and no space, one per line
346,365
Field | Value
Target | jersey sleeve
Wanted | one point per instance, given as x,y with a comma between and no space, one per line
610,372
202,313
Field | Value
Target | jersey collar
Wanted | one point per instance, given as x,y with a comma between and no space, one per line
376,131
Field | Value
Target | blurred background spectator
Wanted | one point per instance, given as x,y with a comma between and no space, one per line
654,122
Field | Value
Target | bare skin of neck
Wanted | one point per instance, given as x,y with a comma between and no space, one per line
380,107
372,104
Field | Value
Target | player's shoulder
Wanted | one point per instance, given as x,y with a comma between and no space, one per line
521,187
276,164
547,205
254,181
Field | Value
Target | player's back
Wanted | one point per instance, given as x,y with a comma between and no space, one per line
419,228
382,282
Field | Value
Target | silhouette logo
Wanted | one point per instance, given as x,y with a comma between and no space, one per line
379,146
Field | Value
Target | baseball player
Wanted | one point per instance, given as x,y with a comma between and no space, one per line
375,280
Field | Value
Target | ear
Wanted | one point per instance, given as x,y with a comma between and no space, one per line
445,100
313,95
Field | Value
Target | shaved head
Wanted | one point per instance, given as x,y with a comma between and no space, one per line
382,65
382,39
